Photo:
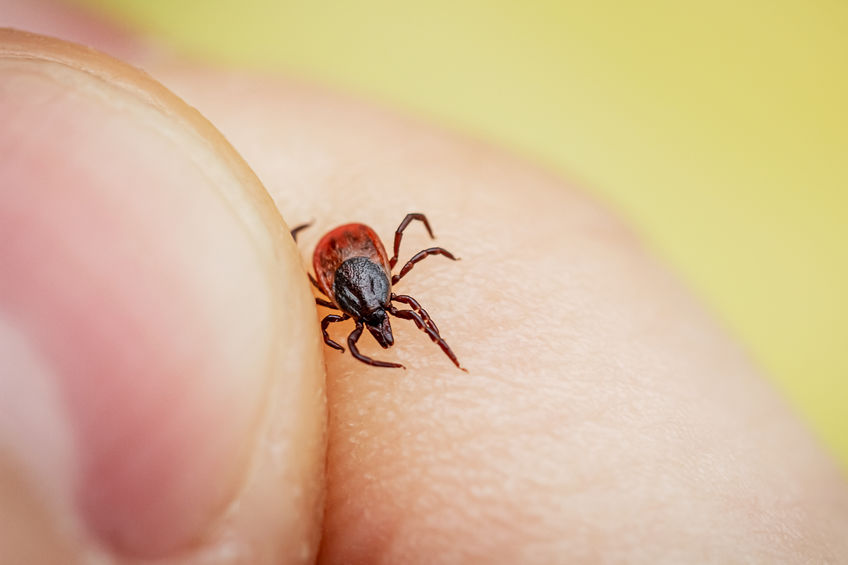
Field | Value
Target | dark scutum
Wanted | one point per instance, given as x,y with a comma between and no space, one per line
361,287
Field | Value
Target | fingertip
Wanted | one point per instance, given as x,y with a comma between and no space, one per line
147,268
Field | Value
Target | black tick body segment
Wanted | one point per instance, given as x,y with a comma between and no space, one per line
354,272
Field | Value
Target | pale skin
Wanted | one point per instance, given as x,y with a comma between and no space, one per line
605,417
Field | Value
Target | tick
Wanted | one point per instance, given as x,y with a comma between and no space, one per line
353,271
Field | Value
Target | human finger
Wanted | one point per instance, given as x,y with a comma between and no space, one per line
161,387
605,416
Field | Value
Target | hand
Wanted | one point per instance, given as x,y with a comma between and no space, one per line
162,375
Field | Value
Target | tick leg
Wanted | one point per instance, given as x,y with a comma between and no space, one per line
412,315
408,300
294,233
325,303
420,256
314,283
300,228
320,301
351,344
330,319
399,234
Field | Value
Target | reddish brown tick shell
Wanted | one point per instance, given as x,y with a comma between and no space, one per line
341,244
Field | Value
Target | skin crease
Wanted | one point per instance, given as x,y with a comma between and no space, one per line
605,417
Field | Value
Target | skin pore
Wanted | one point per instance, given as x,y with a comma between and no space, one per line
605,416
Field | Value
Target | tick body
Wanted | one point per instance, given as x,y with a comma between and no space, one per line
354,272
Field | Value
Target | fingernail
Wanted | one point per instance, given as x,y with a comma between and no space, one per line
139,284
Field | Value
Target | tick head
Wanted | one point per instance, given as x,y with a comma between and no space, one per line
378,324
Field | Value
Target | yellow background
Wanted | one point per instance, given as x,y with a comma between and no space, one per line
719,128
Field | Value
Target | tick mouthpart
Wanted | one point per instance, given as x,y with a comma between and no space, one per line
378,324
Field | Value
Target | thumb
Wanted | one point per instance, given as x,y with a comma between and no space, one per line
161,387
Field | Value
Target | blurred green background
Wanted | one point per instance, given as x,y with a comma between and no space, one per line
719,128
